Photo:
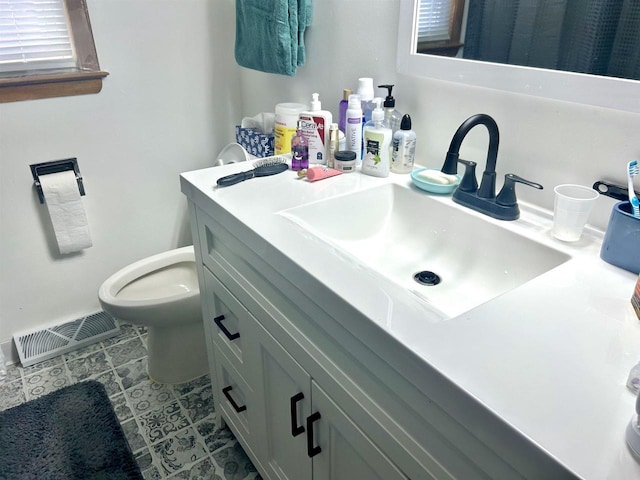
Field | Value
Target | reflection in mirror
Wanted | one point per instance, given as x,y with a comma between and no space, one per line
481,34
600,37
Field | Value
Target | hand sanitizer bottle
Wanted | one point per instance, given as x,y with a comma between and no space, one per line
377,143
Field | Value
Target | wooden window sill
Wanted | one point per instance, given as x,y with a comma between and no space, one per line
32,87
449,49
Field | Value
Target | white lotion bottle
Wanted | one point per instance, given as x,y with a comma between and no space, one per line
403,147
315,127
365,90
353,126
377,144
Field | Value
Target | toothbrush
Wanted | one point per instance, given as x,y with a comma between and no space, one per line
633,169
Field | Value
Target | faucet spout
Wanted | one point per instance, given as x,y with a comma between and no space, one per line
488,184
483,199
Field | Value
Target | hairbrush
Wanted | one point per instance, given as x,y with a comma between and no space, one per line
262,168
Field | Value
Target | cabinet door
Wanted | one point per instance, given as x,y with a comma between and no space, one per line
342,451
282,389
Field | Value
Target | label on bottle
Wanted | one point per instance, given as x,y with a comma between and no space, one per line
376,152
403,154
314,129
354,136
282,136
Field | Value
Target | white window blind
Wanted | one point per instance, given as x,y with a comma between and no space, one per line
34,34
433,20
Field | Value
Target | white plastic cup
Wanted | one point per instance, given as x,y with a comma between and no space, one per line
571,209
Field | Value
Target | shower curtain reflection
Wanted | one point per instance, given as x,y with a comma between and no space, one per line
600,37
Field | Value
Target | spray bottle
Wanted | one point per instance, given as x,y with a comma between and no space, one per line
353,126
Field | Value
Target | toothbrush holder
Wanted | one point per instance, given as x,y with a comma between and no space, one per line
621,245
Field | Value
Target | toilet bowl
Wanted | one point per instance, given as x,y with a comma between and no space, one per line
161,292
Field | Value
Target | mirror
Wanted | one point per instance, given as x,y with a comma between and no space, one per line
596,90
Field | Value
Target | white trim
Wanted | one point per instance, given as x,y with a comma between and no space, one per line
10,353
607,92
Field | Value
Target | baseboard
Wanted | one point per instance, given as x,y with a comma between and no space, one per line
10,353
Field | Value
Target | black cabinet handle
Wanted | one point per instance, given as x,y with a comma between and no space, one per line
236,407
227,333
312,450
295,428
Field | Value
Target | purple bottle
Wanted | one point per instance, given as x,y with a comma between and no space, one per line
342,110
299,150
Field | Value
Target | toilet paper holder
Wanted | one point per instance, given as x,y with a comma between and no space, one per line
46,168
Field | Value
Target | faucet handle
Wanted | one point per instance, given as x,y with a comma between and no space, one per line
507,195
469,183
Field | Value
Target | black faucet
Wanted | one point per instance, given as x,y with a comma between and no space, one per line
483,199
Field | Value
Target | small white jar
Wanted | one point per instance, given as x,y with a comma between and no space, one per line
345,161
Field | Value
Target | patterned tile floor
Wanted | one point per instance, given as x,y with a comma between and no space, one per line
171,429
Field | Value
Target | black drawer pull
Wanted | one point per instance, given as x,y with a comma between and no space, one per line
312,450
236,407
295,428
227,333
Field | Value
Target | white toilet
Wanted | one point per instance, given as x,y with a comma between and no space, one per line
161,292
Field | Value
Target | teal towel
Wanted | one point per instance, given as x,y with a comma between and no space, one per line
270,34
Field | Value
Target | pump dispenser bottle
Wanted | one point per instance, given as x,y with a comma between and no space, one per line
365,90
353,126
391,116
315,127
377,144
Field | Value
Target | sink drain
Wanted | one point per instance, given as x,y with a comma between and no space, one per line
427,277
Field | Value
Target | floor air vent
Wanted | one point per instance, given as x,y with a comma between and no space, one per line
36,346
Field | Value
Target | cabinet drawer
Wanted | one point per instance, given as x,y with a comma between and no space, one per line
228,321
235,399
215,242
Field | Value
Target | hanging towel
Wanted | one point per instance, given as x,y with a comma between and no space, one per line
270,34
304,20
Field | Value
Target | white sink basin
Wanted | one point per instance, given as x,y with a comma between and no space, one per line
396,232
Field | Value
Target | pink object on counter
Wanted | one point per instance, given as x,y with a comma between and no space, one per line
318,173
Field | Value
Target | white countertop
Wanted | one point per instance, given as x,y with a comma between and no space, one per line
551,357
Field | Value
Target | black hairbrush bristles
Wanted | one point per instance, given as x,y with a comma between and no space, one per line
262,168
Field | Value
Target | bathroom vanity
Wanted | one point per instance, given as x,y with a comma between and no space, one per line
327,363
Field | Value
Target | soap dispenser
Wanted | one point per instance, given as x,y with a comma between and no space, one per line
377,143
392,116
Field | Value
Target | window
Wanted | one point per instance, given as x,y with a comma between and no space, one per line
439,26
46,50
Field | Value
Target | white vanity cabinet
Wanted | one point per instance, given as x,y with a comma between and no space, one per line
314,387
307,436
284,419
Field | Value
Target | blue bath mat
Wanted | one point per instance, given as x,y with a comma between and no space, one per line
70,434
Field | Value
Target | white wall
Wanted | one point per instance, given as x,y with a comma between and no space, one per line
546,141
162,112
168,106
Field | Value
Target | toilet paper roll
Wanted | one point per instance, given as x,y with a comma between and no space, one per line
69,220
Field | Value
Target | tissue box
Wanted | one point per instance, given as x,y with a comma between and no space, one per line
255,142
